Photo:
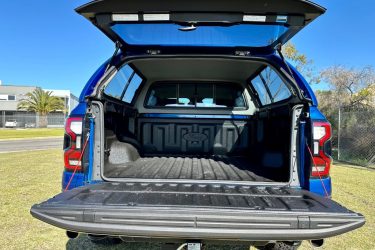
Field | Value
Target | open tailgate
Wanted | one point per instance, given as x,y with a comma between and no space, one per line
255,25
197,211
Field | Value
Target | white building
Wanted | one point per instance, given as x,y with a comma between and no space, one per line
10,96
70,100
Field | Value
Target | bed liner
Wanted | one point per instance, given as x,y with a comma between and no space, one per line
196,168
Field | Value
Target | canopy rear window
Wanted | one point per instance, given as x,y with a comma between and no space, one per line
124,85
270,87
169,34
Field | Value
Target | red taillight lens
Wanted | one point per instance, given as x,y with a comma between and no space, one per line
321,147
72,143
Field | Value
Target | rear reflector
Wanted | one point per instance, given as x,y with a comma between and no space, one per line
321,159
74,162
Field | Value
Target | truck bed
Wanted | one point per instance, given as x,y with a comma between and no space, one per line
196,168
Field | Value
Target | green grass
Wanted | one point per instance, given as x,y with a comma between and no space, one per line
30,133
30,177
354,188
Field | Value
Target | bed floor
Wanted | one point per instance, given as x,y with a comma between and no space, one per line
198,168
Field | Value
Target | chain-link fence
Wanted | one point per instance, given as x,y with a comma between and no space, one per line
354,136
31,120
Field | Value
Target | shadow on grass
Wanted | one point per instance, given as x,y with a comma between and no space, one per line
83,242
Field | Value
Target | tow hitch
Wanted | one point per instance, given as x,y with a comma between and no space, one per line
194,246
190,246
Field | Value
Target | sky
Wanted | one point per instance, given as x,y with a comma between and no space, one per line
46,43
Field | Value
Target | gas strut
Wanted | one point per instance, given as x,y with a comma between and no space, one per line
118,46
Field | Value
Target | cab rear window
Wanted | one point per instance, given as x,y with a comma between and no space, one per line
196,95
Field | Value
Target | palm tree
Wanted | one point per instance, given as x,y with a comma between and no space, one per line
42,103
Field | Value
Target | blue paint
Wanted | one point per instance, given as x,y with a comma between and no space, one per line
315,114
316,186
95,182
233,117
80,110
91,83
91,149
77,181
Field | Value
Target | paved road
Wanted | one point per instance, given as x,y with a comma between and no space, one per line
30,144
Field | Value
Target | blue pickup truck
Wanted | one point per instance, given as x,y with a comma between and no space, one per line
198,130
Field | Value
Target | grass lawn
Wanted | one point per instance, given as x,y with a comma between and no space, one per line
30,177
30,133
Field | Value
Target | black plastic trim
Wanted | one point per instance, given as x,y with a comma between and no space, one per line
196,211
252,91
213,6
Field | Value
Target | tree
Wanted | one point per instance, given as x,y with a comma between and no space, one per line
352,91
327,102
351,88
301,62
41,102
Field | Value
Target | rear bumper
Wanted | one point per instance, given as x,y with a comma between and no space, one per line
316,186
77,180
204,224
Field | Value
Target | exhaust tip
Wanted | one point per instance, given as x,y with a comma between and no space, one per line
71,235
317,243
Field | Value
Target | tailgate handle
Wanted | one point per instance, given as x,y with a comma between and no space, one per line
303,222
88,216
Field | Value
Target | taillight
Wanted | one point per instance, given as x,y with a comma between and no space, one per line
321,149
73,143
